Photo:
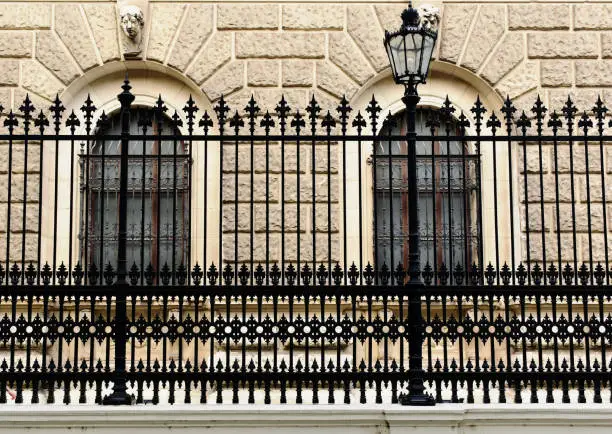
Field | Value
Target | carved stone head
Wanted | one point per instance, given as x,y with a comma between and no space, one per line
132,24
429,16
132,21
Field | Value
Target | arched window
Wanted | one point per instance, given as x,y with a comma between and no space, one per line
447,202
157,202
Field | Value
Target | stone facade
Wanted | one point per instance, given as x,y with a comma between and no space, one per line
239,49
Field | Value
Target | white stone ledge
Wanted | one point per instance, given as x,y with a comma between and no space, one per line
388,419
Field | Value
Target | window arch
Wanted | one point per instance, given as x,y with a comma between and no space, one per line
448,191
158,196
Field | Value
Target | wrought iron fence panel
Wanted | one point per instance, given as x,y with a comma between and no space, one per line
228,255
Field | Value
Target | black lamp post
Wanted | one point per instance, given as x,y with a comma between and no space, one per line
410,50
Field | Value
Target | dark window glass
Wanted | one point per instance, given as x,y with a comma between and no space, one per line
157,203
447,202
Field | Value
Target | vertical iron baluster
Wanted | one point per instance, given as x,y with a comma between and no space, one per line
159,110
360,123
298,123
569,111
313,109
373,109
144,122
72,122
190,109
205,123
11,123
88,109
267,123
282,109
27,108
57,108
176,124
344,109
389,123
600,113
555,123
40,122
447,111
328,123
222,110
252,109
508,110
433,123
585,123
523,123
479,111
493,123
463,124
540,111
237,123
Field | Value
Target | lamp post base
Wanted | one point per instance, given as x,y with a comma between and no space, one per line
421,400
118,399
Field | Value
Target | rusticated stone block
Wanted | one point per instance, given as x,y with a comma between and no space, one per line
509,53
15,249
595,251
25,16
606,45
334,81
247,16
71,27
593,73
244,188
263,72
592,16
580,217
15,44
457,18
103,24
225,81
344,53
165,19
519,81
556,73
309,17
18,161
194,31
390,15
552,45
579,161
9,72
17,188
488,29
297,73
39,80
538,16
280,45
583,99
216,53
363,26
49,52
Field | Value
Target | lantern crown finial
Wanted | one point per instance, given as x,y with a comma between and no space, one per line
410,16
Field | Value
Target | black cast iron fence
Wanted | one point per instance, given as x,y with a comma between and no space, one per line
245,257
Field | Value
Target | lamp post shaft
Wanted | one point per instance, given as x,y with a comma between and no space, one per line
120,395
416,388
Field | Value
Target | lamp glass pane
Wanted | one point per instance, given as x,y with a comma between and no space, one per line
428,47
397,56
414,43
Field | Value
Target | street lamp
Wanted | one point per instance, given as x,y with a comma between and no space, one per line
410,50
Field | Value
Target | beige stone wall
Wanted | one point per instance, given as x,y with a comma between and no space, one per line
327,49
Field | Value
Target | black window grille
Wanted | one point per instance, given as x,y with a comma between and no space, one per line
448,192
158,195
